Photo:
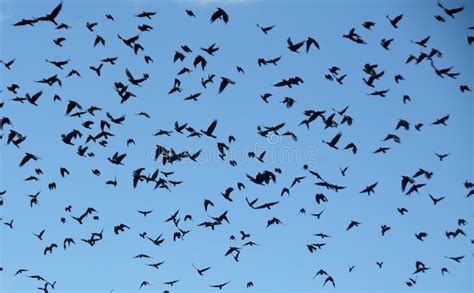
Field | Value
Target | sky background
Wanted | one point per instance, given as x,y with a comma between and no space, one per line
281,261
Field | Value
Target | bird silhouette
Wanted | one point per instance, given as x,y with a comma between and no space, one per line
201,271
220,14
394,22
209,131
120,228
220,286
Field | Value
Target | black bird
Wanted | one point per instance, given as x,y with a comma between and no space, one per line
130,41
144,28
297,180
368,25
200,271
422,42
436,200
9,224
294,47
117,159
120,228
192,97
136,81
394,22
210,129
455,258
402,211
90,25
20,271
143,284
220,286
266,29
441,156
157,241
8,64
421,236
310,41
381,150
464,88
99,40
353,36
59,41
440,18
385,229
226,195
146,14
352,224
210,79
398,78
67,242
171,283
343,171
207,203
385,43
50,248
220,14
40,234
96,69
156,265
32,99
145,213
13,88
381,93
27,158
451,12
454,234
441,121
224,83
334,141
329,279
58,64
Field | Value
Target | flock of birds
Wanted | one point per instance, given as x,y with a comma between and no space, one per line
96,125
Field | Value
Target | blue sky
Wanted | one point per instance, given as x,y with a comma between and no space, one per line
281,261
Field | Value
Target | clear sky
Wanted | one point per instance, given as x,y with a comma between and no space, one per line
281,262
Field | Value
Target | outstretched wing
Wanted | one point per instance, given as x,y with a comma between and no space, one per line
336,138
455,10
133,39
211,127
398,18
56,10
121,157
225,17
216,15
129,75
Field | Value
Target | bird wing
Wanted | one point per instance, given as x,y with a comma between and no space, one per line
336,138
398,18
216,15
129,75
211,127
56,10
